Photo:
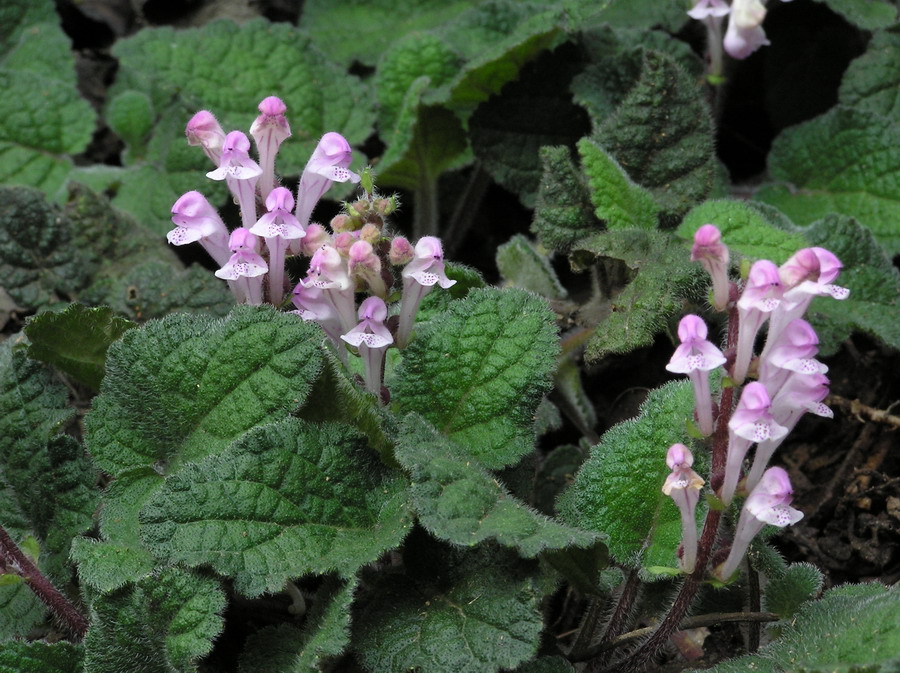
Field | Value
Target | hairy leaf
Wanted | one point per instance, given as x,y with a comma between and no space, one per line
106,566
477,618
618,490
872,81
17,15
163,623
662,135
479,371
867,14
853,628
41,657
874,302
382,23
76,340
184,387
618,201
786,593
20,609
325,635
288,499
43,119
564,212
521,265
663,278
462,503
845,161
197,68
38,265
745,230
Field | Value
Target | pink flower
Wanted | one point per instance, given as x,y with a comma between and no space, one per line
372,338
245,264
205,131
269,130
696,357
762,295
768,503
197,220
278,226
683,486
793,350
419,276
751,422
712,254
329,163
240,173
328,271
745,34
709,8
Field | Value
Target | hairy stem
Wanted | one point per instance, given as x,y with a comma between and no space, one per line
13,558
619,619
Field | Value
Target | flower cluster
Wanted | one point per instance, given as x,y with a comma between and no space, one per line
355,255
744,34
789,383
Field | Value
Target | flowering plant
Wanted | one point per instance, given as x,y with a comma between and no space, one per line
497,336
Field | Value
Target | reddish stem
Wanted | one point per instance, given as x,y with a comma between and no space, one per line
62,607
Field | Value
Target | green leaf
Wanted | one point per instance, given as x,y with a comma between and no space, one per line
554,474
639,14
663,277
479,371
288,499
148,289
852,629
40,657
799,583
564,212
336,398
581,567
75,340
874,302
845,161
17,15
618,201
508,131
379,19
476,618
425,142
46,474
20,609
872,81
521,265
618,491
107,566
196,69
130,115
438,302
462,503
662,135
615,59
45,50
43,119
866,14
163,623
745,230
37,264
185,387
415,56
324,636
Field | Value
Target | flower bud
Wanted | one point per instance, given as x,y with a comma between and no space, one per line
401,251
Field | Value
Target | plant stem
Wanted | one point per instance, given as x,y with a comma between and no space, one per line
59,605
712,619
692,582
619,619
425,219
753,582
